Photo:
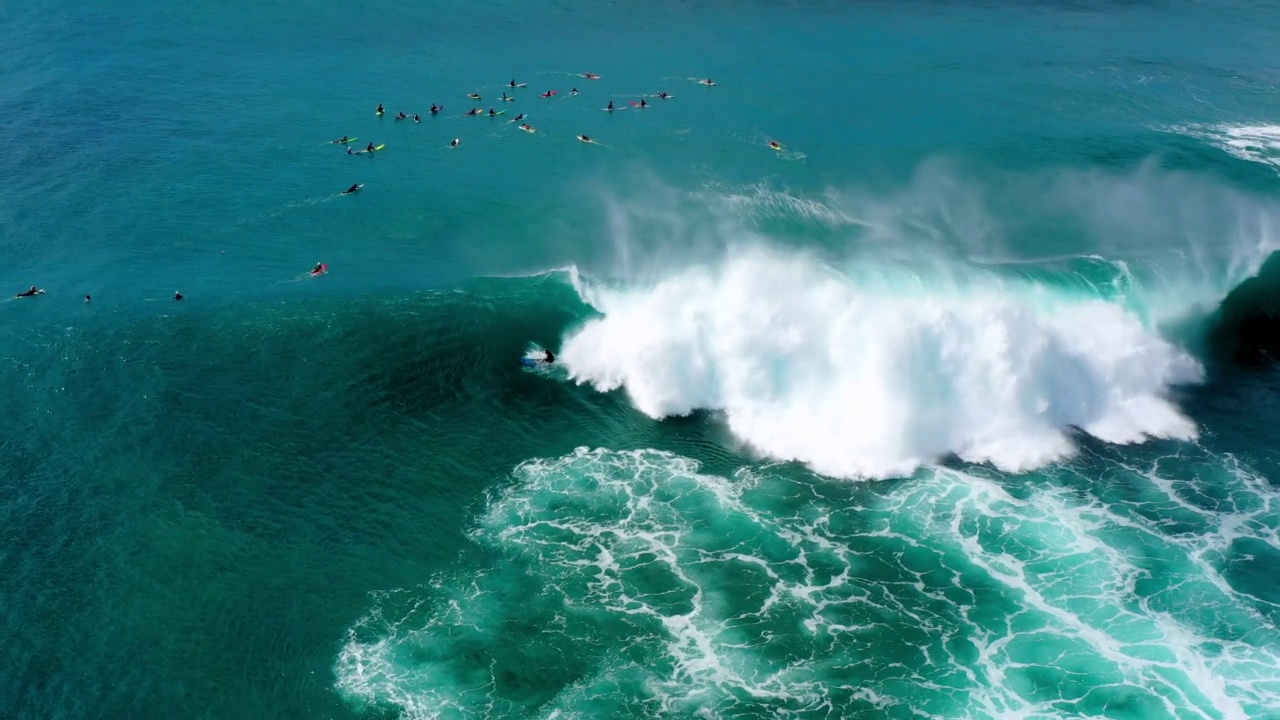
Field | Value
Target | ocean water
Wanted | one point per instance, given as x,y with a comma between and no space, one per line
960,405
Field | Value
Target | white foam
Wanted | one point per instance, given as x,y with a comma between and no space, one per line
1258,143
874,374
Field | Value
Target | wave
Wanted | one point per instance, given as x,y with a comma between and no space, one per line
874,373
1246,326
1257,143
932,322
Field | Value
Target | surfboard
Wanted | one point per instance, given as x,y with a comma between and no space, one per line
530,129
341,142
778,148
584,139
379,112
550,93
497,113
474,96
364,152
589,76
508,99
518,85
638,105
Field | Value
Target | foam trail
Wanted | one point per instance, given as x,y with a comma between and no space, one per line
876,374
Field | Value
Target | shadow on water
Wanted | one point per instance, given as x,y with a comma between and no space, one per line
241,483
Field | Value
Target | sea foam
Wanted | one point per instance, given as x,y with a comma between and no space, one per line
872,372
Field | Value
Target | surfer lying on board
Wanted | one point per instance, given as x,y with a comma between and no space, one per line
29,293
318,269
774,144
434,109
663,96
343,141
401,115
350,190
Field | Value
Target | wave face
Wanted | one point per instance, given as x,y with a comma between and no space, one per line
912,334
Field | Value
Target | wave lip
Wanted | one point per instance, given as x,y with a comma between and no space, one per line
879,372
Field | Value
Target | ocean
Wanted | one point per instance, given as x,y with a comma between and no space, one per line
960,403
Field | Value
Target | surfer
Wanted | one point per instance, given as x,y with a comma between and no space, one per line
177,296
548,93
87,298
349,150
456,142
549,358
380,110
774,144
573,91
417,118
370,148
663,96
513,82
584,138
401,115
492,113
643,104
434,109
30,293
526,127
610,108
343,141
519,118
591,76
351,189
319,269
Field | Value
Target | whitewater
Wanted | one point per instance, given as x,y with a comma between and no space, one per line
864,363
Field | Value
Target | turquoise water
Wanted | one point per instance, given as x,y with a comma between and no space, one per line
920,415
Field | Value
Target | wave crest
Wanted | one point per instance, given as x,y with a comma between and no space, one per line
876,372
